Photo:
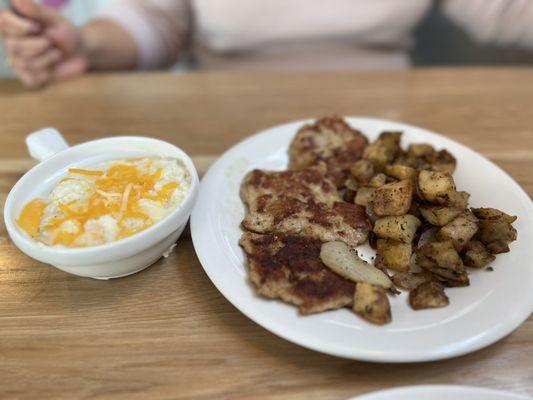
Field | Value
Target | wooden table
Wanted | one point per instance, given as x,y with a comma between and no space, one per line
167,332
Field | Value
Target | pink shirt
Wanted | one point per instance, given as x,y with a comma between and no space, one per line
303,34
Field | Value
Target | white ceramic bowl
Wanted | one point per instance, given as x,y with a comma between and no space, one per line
111,260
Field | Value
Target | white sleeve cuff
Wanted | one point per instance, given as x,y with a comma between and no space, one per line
132,19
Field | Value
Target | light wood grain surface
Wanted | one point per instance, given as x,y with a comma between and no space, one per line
167,333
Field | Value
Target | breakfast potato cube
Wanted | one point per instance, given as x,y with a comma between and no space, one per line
439,215
364,196
496,234
495,229
458,279
476,255
418,150
435,187
428,295
378,180
401,228
383,150
458,200
395,255
393,198
371,303
351,184
460,230
400,172
443,162
407,280
437,256
362,171
493,213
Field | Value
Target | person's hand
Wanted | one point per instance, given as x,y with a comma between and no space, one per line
42,46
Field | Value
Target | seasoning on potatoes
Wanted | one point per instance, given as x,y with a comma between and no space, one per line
458,200
394,254
371,303
364,196
383,150
400,172
362,171
401,228
442,260
393,198
460,230
439,215
476,255
407,280
435,187
428,295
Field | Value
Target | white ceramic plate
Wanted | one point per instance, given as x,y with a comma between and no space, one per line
438,392
494,305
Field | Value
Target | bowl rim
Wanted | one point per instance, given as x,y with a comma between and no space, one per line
108,251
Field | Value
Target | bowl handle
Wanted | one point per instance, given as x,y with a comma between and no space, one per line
44,143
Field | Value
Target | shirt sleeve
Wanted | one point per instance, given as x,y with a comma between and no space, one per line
502,22
160,28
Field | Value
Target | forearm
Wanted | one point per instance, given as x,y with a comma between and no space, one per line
108,46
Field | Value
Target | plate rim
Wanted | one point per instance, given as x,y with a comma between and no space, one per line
450,389
487,339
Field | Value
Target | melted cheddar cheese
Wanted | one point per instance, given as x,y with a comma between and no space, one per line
110,202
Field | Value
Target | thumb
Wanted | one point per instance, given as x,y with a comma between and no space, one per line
37,12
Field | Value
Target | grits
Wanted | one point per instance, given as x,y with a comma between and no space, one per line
107,202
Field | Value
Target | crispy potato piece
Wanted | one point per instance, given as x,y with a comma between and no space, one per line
424,156
428,295
476,255
393,198
351,184
338,257
496,234
377,180
458,200
401,228
439,215
383,150
460,279
495,229
418,150
435,187
443,162
407,280
362,171
460,230
437,256
364,196
371,303
493,213
400,172
395,255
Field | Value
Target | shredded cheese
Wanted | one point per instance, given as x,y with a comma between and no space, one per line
114,192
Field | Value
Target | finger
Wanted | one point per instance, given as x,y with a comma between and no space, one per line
37,12
13,25
45,61
34,80
70,68
27,47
